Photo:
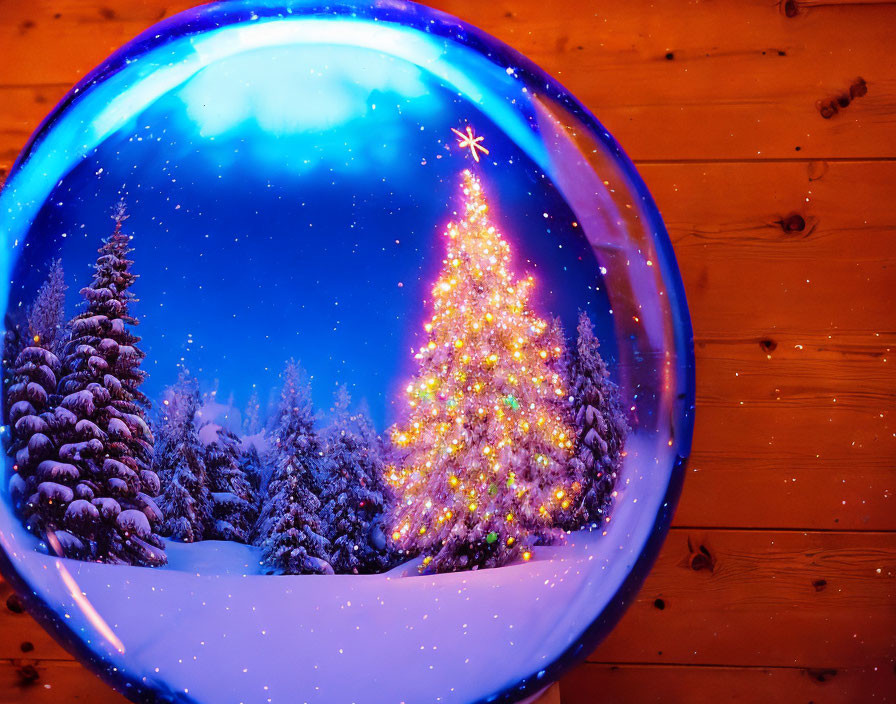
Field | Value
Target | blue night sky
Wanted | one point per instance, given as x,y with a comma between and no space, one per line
290,203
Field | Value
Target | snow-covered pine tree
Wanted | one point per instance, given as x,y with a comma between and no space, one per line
31,397
381,447
46,317
289,528
600,424
353,495
253,468
485,476
105,445
14,341
560,363
185,502
252,419
233,500
40,487
42,325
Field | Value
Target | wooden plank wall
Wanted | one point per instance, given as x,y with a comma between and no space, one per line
767,134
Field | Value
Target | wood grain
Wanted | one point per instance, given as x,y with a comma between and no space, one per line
773,167
672,684
760,598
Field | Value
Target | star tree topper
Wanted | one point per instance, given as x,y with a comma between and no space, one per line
469,140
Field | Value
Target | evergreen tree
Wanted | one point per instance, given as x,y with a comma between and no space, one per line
41,325
179,459
33,367
233,500
252,467
105,445
46,317
252,420
601,427
560,363
14,341
382,458
486,470
289,528
40,486
353,494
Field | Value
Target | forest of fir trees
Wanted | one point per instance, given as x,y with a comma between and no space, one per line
99,474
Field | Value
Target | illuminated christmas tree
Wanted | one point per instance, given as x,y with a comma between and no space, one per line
486,446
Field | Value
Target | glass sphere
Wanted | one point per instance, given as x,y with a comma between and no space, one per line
458,488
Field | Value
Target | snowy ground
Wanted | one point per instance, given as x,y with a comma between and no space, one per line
214,558
215,630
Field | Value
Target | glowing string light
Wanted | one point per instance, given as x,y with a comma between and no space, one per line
482,339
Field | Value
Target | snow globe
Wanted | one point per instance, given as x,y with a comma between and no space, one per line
346,359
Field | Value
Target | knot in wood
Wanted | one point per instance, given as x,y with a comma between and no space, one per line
793,223
28,674
821,674
828,108
14,604
700,558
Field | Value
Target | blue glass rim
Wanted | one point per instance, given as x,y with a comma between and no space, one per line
434,22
